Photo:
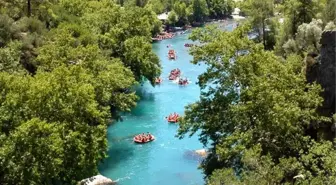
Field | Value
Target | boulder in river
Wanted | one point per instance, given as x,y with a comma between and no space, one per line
97,180
201,152
198,155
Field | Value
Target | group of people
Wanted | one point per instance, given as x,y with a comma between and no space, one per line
163,36
188,45
173,117
175,73
172,54
143,138
183,81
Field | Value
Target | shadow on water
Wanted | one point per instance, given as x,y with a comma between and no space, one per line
144,95
117,154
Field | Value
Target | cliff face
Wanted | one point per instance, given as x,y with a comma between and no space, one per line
323,72
326,72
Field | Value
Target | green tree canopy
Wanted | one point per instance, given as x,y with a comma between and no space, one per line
199,10
220,8
254,113
259,11
65,73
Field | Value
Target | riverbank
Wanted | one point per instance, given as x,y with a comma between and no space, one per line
221,23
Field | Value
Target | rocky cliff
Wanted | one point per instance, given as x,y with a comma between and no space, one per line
323,72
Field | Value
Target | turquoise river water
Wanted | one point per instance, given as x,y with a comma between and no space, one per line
167,160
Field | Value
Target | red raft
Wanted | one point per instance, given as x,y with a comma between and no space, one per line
143,138
183,82
171,54
173,118
172,77
174,74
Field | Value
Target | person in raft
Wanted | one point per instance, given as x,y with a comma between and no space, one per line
149,136
143,137
172,116
175,115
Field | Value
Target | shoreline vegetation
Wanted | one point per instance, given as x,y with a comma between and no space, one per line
65,65
266,120
64,68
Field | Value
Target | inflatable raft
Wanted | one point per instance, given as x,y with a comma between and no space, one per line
172,54
183,82
173,77
188,45
172,119
138,139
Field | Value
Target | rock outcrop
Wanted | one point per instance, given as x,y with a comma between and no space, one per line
201,152
322,69
326,72
97,180
323,72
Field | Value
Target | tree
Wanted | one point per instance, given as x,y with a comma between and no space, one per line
254,111
328,13
10,58
199,10
32,154
113,29
219,8
5,29
69,98
307,40
179,12
139,57
296,12
259,11
83,57
156,6
71,45
299,12
17,9
172,18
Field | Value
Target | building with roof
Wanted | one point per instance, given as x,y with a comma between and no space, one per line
163,16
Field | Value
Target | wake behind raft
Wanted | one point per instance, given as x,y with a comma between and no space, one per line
142,138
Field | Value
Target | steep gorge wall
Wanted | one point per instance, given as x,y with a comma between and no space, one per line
323,72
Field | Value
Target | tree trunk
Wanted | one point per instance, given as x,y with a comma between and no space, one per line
28,8
294,25
263,33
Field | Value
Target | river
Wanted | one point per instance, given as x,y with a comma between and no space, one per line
167,160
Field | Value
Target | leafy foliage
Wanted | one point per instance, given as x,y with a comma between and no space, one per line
307,38
259,11
254,112
66,73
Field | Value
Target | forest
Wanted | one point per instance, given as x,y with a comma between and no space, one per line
67,68
258,114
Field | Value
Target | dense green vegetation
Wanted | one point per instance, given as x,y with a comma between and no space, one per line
66,70
257,114
67,67
186,12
